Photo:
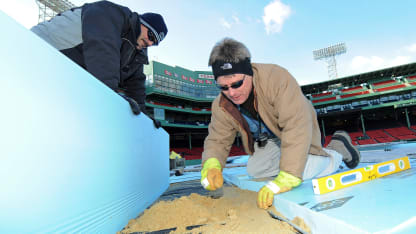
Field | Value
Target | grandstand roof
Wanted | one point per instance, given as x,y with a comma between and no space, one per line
361,78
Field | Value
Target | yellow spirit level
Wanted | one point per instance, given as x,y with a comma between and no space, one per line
349,178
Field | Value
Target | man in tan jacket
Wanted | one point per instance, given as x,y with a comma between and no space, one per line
278,126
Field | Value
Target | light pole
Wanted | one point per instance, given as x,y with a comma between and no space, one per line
50,8
329,54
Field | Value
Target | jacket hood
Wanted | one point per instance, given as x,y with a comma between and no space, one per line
135,26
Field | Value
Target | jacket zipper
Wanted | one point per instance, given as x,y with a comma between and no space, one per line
239,124
132,51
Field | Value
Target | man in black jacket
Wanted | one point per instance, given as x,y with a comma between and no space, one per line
110,42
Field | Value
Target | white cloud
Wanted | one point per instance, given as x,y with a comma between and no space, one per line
360,64
225,23
366,63
275,15
229,23
411,48
24,12
236,19
399,60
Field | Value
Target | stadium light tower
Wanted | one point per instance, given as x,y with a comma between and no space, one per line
329,54
50,8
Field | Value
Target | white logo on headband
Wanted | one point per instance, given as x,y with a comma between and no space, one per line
226,66
161,35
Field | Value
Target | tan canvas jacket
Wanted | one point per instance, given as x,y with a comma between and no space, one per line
283,108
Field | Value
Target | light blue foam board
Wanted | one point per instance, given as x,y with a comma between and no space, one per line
73,157
384,205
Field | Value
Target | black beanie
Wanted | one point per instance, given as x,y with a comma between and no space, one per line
155,22
223,68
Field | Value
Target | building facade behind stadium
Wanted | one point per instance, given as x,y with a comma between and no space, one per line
374,107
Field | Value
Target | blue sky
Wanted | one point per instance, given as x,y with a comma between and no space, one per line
378,34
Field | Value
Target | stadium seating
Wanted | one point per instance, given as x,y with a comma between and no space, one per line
353,139
402,133
237,151
375,137
411,80
162,104
327,140
385,139
355,94
353,89
398,86
189,154
379,136
382,135
196,152
387,85
367,142
384,83
355,135
324,99
315,96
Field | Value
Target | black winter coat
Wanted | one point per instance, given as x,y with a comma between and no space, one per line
101,37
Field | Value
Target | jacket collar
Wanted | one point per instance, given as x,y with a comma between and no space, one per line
231,108
135,26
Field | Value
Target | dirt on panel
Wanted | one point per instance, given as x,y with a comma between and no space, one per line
235,212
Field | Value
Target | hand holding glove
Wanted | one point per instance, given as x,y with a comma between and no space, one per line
211,175
137,109
133,104
156,123
282,183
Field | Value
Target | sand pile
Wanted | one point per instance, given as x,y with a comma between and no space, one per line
235,212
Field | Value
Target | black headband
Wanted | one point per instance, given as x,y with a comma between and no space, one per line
222,68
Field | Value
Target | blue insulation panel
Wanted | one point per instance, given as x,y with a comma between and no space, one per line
383,205
73,156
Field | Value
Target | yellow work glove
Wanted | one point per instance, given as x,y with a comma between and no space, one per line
282,183
174,155
211,175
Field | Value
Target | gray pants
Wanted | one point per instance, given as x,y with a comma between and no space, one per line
265,162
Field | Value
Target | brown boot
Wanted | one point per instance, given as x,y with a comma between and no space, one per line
341,142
